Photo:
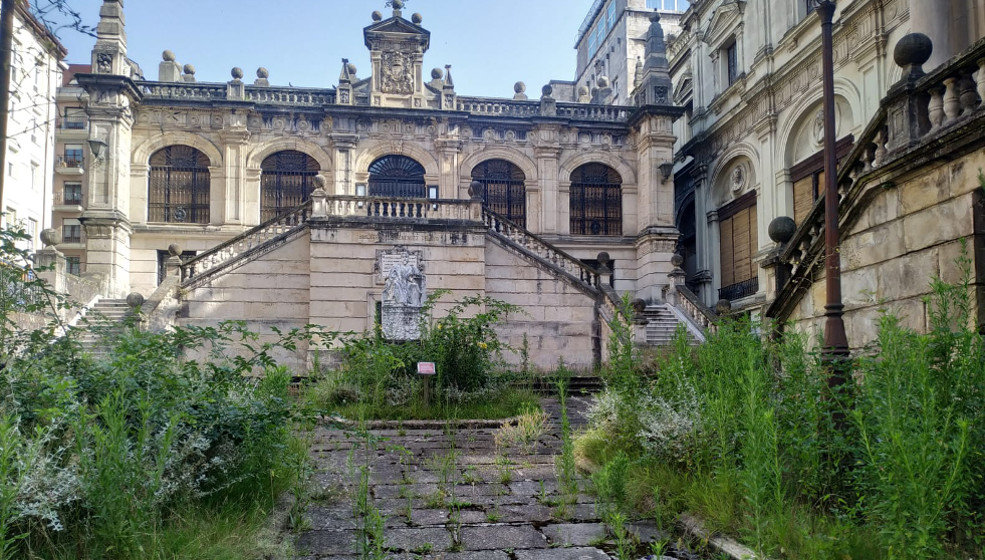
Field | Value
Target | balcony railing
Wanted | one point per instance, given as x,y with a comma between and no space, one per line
69,161
71,124
739,290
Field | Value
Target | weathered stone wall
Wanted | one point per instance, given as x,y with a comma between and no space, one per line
269,291
910,232
557,317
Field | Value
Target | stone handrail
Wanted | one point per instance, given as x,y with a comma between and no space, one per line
347,206
241,246
691,305
520,236
216,91
916,112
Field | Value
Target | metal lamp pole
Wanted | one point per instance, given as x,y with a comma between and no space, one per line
836,352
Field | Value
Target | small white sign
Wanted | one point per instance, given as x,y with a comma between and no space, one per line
425,368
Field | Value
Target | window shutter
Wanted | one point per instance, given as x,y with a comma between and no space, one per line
728,261
803,198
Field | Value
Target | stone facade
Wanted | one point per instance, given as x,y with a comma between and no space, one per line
913,205
748,73
396,157
35,74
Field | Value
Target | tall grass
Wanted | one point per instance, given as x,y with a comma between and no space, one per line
762,449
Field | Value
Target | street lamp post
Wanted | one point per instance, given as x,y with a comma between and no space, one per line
836,352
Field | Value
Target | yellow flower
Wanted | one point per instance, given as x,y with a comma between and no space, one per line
483,345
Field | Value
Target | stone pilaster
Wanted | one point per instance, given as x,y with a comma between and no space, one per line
655,153
654,249
554,211
449,152
233,202
344,150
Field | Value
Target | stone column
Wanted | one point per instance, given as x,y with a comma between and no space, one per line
714,258
702,230
933,19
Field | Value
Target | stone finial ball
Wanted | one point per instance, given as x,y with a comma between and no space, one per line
351,68
639,305
781,229
190,69
135,299
475,190
603,258
676,260
437,73
914,48
519,87
547,90
168,56
263,73
50,237
320,182
174,250
723,307
603,82
417,18
237,73
377,16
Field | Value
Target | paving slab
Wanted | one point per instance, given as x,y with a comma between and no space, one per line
581,553
502,537
425,539
575,534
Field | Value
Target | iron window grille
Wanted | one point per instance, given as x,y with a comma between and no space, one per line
287,181
596,200
503,189
179,186
72,193
739,290
71,233
395,176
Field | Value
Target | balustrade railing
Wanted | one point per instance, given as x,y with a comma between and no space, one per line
290,96
912,115
498,107
239,246
592,112
347,206
697,311
179,91
541,249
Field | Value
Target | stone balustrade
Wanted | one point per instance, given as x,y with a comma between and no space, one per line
498,107
591,112
691,305
241,246
382,208
543,250
189,91
290,96
919,111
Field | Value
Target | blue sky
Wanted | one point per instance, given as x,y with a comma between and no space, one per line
490,44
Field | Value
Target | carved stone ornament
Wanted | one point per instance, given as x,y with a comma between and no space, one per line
397,70
738,178
104,63
404,293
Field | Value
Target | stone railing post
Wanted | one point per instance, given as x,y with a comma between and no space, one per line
675,278
50,264
907,110
475,206
319,198
172,266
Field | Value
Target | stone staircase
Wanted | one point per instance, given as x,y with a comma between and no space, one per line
106,318
661,326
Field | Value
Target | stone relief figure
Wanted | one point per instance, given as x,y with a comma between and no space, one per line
404,285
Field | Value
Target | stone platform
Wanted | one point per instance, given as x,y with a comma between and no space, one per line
450,494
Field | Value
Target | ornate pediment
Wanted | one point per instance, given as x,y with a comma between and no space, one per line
723,21
396,28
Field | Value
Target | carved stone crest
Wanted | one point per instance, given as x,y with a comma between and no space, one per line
397,69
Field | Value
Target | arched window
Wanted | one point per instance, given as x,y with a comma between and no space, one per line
502,189
596,200
287,181
179,186
397,176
